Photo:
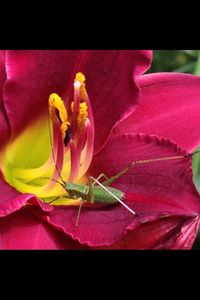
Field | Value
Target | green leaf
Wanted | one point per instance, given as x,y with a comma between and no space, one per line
187,68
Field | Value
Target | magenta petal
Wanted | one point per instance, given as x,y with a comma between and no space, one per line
4,124
32,75
115,228
167,185
2,72
97,227
187,236
165,196
11,200
23,230
111,86
160,191
169,107
174,232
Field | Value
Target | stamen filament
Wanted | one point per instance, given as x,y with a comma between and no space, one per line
75,162
87,151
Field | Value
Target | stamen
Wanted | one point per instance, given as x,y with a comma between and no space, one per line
72,106
58,113
83,92
80,77
77,133
79,106
82,115
86,151
75,162
65,129
68,150
56,105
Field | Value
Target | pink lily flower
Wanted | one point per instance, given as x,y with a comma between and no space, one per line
109,120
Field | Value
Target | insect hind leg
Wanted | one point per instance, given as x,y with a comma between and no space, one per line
102,175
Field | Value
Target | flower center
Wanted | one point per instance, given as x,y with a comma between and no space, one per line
56,146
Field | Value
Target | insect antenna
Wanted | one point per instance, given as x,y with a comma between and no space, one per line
52,152
52,179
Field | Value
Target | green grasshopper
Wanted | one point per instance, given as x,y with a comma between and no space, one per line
102,193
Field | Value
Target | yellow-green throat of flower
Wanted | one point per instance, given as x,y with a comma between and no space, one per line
59,142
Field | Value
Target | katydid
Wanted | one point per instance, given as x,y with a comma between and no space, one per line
103,193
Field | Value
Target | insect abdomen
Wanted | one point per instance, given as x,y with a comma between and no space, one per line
103,197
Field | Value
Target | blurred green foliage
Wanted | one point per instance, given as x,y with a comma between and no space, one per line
184,61
175,61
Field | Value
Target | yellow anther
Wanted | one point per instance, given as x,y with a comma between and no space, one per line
80,77
82,115
58,112
64,126
83,93
57,109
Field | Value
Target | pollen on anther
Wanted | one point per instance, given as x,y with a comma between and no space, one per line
79,83
58,113
56,105
80,77
82,115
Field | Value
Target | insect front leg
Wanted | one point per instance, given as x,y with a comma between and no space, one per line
58,198
88,197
